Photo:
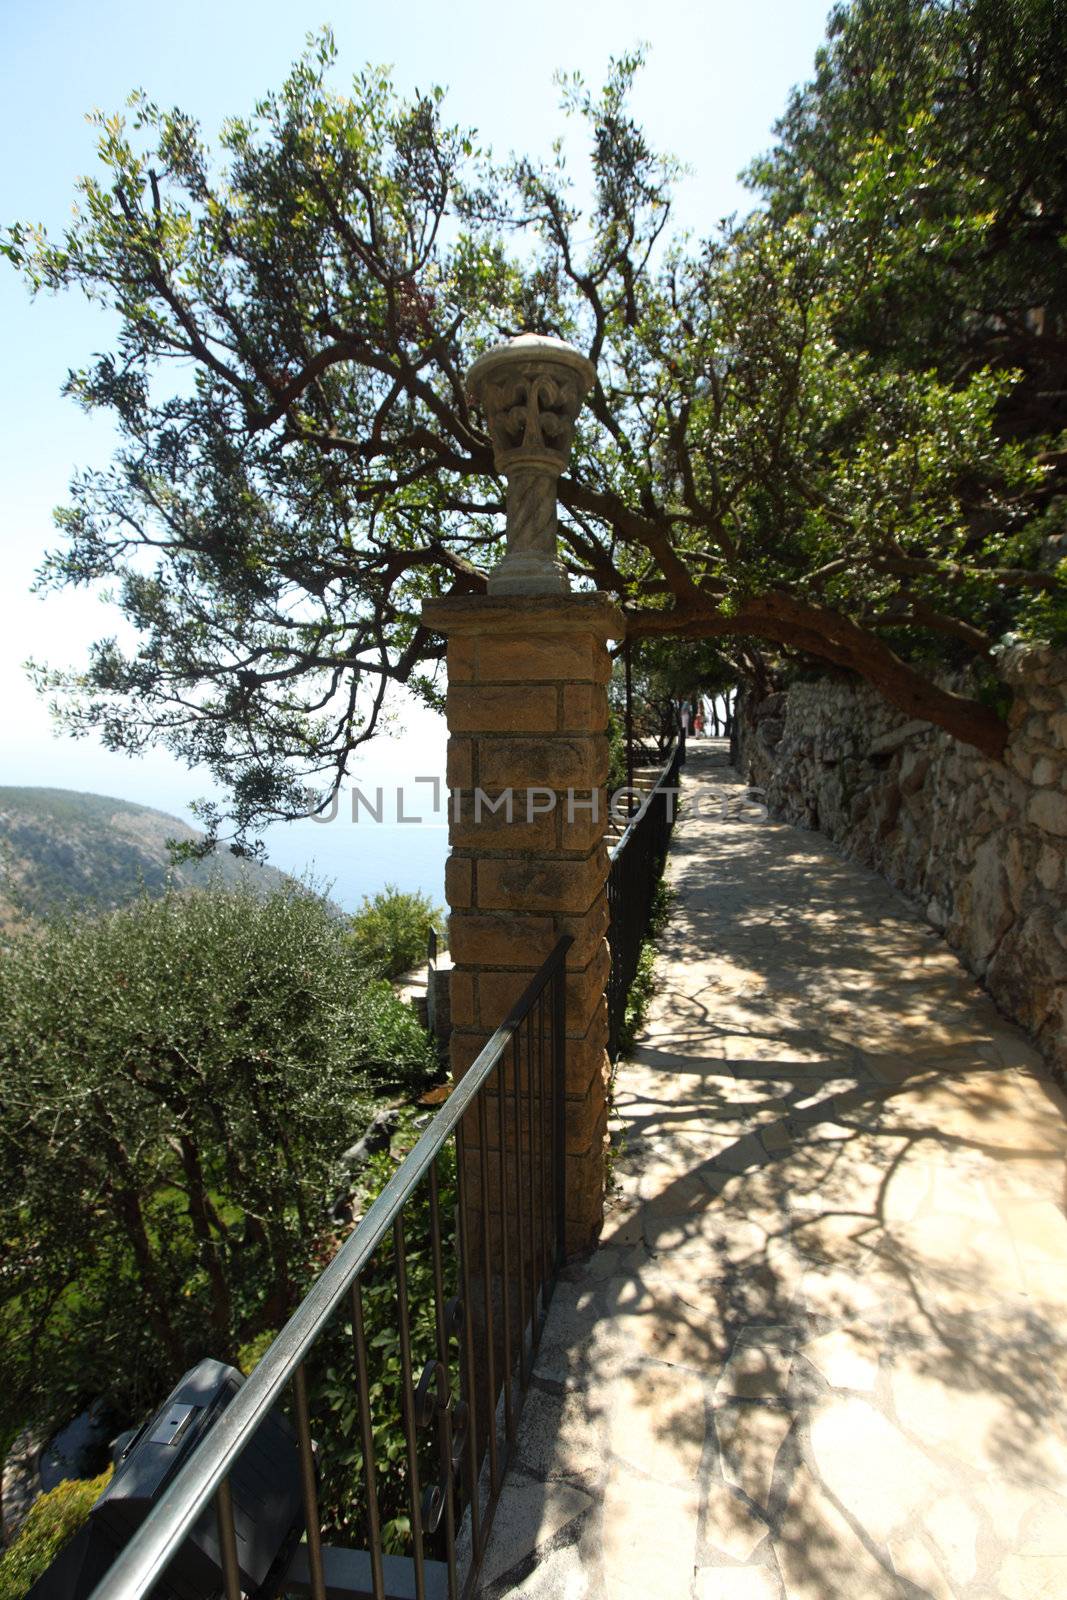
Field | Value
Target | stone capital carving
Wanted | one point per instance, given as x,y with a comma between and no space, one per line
530,390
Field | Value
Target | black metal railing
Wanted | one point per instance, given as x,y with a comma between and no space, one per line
637,863
465,1356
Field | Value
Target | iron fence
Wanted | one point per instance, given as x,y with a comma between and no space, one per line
637,863
464,1363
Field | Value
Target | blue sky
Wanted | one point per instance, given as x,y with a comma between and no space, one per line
718,75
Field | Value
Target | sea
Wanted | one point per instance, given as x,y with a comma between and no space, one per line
389,826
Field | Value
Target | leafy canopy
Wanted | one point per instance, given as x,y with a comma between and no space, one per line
832,429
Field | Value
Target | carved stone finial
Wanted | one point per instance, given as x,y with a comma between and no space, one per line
531,390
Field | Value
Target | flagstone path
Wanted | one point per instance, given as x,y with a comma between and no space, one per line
822,1350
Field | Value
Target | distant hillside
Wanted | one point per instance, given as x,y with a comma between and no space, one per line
60,848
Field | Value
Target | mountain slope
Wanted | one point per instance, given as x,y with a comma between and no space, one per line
60,848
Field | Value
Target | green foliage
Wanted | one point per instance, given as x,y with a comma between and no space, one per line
643,987
332,1386
662,901
665,672
639,997
638,1000
251,1354
179,1079
616,748
332,1371
390,930
931,140
398,1053
917,207
52,1520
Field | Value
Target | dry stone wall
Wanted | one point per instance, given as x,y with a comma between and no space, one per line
981,847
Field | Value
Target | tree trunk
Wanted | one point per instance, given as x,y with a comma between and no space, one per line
124,1191
127,1204
200,1213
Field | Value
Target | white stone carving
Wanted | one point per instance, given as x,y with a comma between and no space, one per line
531,390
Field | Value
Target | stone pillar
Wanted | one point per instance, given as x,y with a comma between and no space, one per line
527,713
528,667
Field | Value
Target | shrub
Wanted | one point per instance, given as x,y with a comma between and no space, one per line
643,987
331,1365
390,930
332,1377
251,1354
399,1052
53,1518
177,1082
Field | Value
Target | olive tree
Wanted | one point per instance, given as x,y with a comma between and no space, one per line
178,1082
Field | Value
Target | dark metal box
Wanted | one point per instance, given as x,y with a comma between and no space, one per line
264,1483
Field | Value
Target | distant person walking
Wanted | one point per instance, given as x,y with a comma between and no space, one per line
685,714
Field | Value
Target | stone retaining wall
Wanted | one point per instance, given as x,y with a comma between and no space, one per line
979,846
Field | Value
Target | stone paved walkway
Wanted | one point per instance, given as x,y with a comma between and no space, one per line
822,1350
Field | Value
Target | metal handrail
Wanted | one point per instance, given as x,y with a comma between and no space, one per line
660,784
635,867
145,1558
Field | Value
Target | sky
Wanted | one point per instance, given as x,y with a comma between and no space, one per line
718,75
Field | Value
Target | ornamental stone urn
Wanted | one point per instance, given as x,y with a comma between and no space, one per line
530,391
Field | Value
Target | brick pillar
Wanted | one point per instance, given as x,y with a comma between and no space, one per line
527,711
